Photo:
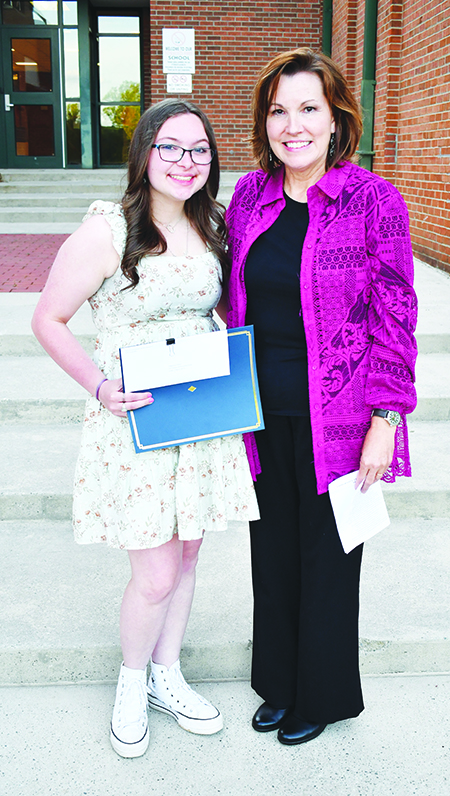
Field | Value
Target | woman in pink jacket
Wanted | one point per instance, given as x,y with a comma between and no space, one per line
323,269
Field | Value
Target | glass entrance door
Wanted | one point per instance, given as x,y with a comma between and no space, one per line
119,81
32,102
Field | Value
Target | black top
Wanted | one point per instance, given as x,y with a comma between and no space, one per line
272,281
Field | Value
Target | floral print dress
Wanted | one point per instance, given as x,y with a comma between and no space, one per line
135,501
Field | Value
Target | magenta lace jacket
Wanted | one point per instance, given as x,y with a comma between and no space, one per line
359,307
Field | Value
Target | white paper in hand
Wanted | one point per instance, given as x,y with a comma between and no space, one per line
358,516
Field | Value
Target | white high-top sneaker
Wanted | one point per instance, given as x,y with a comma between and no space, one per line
169,692
129,725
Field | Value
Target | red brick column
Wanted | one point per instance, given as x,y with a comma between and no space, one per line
387,103
348,40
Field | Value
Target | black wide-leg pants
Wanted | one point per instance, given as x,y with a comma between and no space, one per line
306,589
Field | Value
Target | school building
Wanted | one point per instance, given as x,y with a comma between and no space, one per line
75,76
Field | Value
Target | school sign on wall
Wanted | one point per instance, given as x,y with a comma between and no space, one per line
179,51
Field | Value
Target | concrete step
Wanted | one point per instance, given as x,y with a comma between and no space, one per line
37,228
16,344
433,327
10,204
14,190
16,337
45,390
26,345
36,477
60,604
14,176
117,185
433,387
40,215
78,200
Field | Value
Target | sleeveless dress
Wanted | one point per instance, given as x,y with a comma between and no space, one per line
132,500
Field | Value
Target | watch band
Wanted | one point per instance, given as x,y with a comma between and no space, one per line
392,417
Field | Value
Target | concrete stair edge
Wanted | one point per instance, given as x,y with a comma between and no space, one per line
13,345
11,176
401,504
48,411
230,661
25,344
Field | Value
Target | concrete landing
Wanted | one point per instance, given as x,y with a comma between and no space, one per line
399,746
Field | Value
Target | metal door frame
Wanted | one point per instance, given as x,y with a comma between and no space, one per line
30,98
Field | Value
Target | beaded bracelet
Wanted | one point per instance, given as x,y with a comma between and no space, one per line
98,388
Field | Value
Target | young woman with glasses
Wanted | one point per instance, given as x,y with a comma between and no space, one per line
151,268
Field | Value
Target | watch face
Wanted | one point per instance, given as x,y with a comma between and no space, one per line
393,418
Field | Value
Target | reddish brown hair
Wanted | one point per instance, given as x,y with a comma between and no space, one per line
344,107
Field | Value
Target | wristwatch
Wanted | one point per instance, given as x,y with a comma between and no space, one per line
393,418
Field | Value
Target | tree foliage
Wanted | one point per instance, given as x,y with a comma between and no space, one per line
124,117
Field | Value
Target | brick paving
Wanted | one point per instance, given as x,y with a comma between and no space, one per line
25,261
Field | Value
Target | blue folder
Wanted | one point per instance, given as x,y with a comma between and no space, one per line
198,410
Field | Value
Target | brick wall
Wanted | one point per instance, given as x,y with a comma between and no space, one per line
422,163
145,38
388,88
348,40
233,41
412,108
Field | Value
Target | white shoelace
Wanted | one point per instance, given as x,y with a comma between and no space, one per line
194,696
132,705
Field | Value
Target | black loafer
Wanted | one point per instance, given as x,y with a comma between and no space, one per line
295,730
268,718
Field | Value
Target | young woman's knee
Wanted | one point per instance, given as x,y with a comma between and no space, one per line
156,573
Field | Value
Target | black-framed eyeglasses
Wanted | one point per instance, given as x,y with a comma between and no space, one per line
171,153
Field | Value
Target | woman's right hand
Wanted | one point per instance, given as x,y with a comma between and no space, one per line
117,402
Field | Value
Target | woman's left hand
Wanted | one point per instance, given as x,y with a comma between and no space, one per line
377,452
119,403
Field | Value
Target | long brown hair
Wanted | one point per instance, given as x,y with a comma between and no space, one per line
202,210
343,105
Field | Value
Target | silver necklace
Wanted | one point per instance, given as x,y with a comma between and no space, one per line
170,226
185,254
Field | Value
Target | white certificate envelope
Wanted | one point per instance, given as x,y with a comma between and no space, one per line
358,516
175,361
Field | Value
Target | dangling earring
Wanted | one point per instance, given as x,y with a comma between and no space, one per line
332,145
270,156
